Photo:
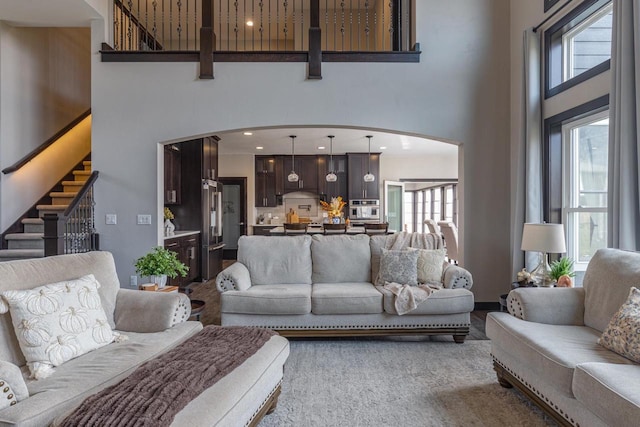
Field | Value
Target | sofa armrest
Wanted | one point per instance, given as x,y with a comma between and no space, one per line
236,277
553,306
145,311
456,277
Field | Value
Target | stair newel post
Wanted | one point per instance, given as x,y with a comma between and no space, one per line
315,42
207,40
54,228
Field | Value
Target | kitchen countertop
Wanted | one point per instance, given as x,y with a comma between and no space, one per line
182,233
319,230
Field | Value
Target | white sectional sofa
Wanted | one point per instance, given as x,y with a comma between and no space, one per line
322,285
548,346
154,322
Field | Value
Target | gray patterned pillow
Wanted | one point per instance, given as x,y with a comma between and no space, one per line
399,267
622,334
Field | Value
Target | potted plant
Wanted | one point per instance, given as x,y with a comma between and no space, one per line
160,263
562,272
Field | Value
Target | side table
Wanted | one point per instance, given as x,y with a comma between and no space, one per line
197,306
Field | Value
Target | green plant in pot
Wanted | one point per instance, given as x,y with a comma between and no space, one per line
160,263
562,272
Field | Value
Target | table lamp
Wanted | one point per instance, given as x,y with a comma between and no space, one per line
543,238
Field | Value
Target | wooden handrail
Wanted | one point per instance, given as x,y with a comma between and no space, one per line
39,149
83,190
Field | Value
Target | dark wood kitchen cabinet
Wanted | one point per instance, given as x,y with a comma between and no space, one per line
266,194
358,166
188,250
210,157
328,190
307,169
172,170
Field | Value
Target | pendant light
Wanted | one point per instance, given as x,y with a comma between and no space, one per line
369,177
293,176
331,176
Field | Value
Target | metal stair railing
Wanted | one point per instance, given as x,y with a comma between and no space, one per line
73,231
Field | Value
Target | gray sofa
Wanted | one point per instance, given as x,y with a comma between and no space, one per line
322,286
547,347
153,322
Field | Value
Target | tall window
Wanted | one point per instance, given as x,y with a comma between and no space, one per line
585,152
578,46
409,213
437,203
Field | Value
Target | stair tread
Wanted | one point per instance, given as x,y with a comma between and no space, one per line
21,253
77,183
86,162
51,207
81,172
63,194
24,236
33,221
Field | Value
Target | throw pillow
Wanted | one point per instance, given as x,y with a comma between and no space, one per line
12,386
58,322
430,262
621,335
399,267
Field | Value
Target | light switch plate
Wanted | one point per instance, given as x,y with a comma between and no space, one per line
144,219
111,219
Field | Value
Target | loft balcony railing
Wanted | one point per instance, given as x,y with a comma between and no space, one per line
262,30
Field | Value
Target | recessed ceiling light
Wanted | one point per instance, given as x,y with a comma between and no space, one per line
383,148
321,148
247,133
259,148
249,23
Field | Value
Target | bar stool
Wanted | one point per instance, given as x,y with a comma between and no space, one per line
334,228
295,228
381,228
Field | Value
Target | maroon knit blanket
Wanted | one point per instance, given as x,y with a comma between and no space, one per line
157,390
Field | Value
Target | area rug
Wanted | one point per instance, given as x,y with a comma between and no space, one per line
398,383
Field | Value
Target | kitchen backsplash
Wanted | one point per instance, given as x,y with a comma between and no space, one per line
303,204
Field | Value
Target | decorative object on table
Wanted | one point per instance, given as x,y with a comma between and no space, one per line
292,217
169,227
562,272
334,209
261,219
160,263
293,176
544,238
523,278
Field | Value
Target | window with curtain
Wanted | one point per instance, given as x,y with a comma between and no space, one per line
585,144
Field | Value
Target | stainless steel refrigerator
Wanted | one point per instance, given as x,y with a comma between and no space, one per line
211,229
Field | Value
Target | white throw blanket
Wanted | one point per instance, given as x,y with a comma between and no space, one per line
407,298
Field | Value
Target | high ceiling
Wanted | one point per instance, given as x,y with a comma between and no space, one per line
277,141
47,13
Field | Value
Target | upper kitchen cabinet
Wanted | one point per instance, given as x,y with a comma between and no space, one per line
210,157
328,190
266,179
172,181
202,154
307,169
358,164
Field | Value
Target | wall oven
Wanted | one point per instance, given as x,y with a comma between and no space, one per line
364,210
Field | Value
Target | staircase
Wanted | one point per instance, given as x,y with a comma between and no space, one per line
30,243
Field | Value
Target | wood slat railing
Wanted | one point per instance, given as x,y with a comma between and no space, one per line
73,231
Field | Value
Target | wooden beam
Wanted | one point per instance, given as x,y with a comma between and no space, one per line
315,39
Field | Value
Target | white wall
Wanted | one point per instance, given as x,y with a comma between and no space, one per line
394,168
458,92
45,81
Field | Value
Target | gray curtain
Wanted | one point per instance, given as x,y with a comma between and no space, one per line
528,159
624,181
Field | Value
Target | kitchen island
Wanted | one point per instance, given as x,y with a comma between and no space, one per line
318,229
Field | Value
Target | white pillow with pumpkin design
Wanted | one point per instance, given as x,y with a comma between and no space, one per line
57,322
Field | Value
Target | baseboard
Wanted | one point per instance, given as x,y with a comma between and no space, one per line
487,306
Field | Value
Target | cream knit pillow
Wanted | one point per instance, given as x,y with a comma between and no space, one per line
58,322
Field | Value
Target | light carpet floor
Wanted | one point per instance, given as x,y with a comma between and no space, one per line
397,383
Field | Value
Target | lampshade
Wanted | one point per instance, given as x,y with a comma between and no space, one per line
331,176
543,238
293,176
